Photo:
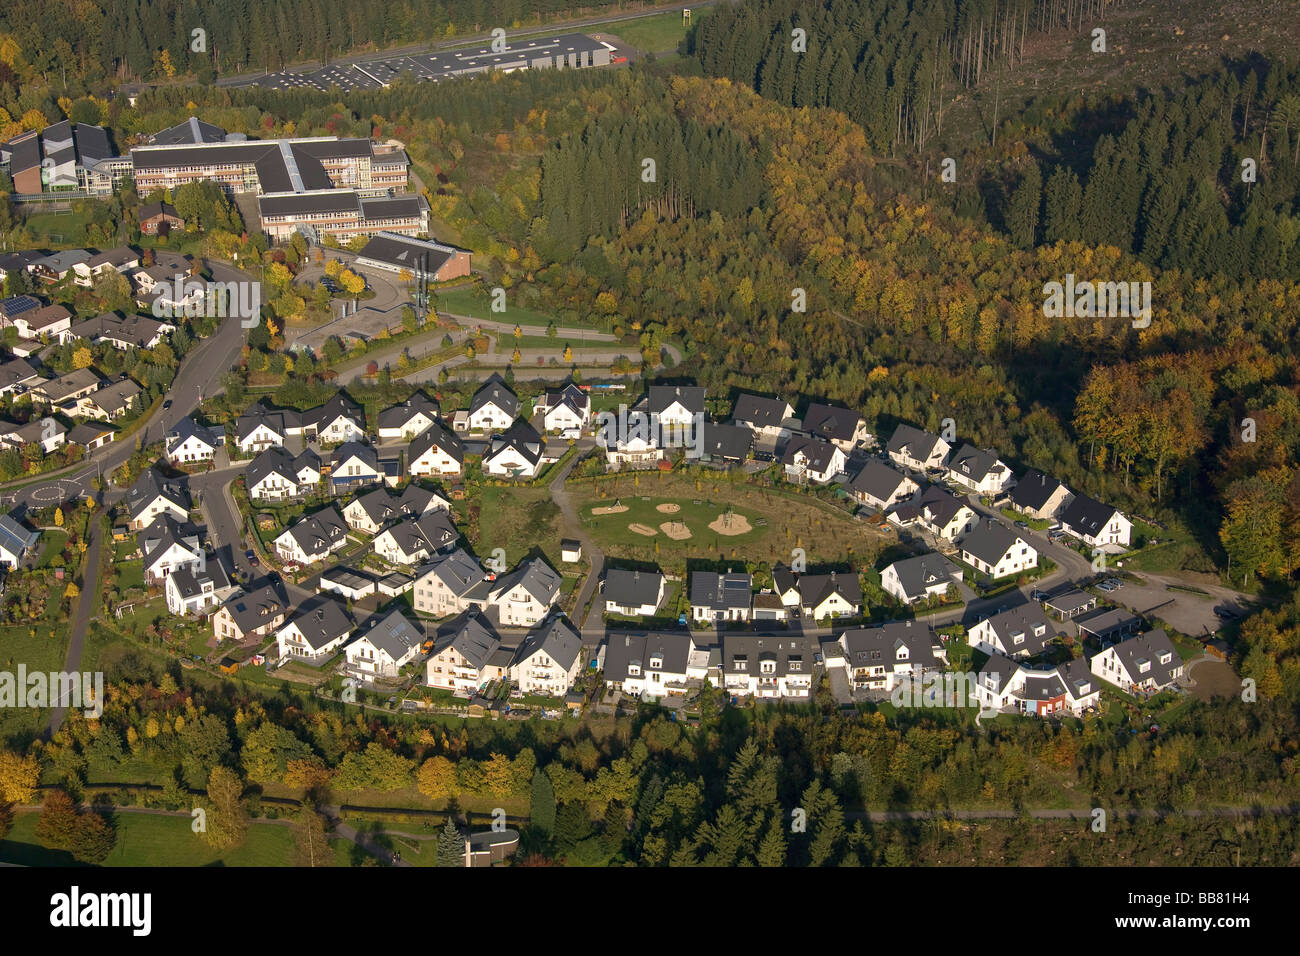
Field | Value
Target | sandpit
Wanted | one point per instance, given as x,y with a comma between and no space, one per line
668,508
676,530
730,525
609,510
646,530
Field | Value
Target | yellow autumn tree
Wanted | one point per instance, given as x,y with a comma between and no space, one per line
82,358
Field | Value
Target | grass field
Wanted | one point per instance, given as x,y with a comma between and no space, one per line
518,519
152,840
465,300
52,543
657,34
779,521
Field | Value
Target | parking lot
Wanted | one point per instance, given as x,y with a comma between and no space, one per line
1192,614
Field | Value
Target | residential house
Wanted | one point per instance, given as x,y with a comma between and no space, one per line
351,584
16,541
878,486
313,538
153,495
821,596
842,427
113,401
90,437
338,420
917,450
721,597
435,451
938,511
315,632
920,577
525,595
467,655
1067,687
730,444
549,659
632,593
168,544
404,421
1096,524
190,592
261,427
50,321
653,665
453,583
16,376
1143,663
766,667
980,470
354,465
120,260
159,218
55,268
275,474
516,453
1022,631
812,460
770,419
876,658
66,389
637,443
675,408
1039,496
994,549
567,411
188,442
371,512
258,612
414,539
382,647
47,433
493,407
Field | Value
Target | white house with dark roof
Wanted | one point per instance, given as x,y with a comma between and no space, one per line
189,592
313,538
567,411
404,421
938,511
996,550
813,461
494,406
517,452
412,540
1096,524
675,407
261,427
436,451
875,658
876,485
1143,663
920,577
153,495
819,596
188,442
1039,496
1022,631
842,427
721,597
632,593
353,465
451,584
524,597
467,655
382,647
168,545
636,444
979,470
275,475
770,419
549,658
766,667
339,420
653,665
16,540
917,450
315,632
728,444
257,612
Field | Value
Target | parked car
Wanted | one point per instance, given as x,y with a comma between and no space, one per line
167,404
1226,613
251,555
1022,524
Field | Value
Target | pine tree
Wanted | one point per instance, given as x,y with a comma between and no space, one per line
451,845
771,852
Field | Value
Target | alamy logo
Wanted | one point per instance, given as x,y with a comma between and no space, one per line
76,909
84,691
637,429
215,300
1085,300
940,689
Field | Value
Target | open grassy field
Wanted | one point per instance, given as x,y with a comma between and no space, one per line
657,34
44,651
154,840
517,519
778,521
466,300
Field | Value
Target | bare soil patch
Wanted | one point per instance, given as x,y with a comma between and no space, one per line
677,530
646,530
729,525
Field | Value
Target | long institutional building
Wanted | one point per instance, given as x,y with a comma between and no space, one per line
321,186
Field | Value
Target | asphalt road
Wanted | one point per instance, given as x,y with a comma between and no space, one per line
199,376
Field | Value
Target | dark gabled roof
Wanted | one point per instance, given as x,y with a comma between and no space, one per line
632,588
974,463
919,444
575,398
379,505
258,606
691,398
403,252
443,438
273,461
557,637
1034,490
1086,515
878,480
672,647
154,209
1023,621
191,131
1001,670
535,576
879,646
15,373
733,442
430,532
162,533
1078,680
713,590
761,412
498,393
137,330
458,571
520,436
831,422
276,419
150,486
188,584
87,432
392,633
989,541
789,656
188,428
472,636
398,415
414,500
325,526
1148,647
921,571
118,256
816,588
942,504
340,406
819,453
321,620
367,454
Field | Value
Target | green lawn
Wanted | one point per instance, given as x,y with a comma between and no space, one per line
657,34
52,544
149,840
466,300
517,518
